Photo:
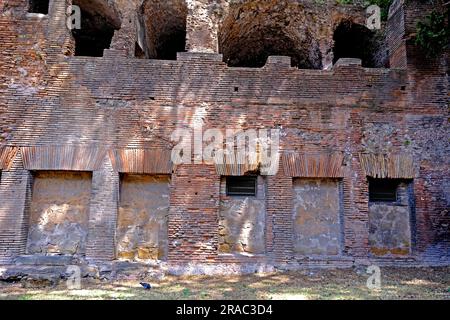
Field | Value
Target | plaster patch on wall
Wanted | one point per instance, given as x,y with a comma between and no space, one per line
142,220
59,213
389,226
316,217
242,222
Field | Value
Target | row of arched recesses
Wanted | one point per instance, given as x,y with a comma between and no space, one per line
247,36
253,32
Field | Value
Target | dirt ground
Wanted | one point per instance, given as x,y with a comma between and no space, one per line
396,283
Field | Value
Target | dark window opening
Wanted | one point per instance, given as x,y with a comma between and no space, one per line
39,6
97,29
383,190
355,41
164,28
241,186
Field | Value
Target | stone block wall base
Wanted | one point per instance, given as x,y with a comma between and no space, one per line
45,274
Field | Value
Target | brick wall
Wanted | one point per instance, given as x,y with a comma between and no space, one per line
48,97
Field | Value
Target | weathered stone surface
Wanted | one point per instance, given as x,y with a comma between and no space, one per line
59,213
390,226
142,220
316,217
39,259
242,222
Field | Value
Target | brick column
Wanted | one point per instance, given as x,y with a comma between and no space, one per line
15,197
194,214
124,39
279,229
60,37
356,195
103,214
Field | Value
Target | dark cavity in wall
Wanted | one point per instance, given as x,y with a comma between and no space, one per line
355,41
245,42
98,23
138,52
164,28
38,6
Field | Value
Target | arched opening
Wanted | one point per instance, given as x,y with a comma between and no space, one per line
164,28
248,36
355,41
98,23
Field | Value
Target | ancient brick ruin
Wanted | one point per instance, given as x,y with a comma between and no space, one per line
87,115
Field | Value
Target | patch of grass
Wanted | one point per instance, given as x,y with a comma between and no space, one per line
396,283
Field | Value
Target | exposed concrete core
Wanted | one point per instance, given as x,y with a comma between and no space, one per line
353,40
242,221
390,225
142,222
164,24
98,22
59,213
254,30
316,217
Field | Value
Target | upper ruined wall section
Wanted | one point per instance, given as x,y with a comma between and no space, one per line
210,26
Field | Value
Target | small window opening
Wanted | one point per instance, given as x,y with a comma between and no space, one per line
241,186
38,6
383,190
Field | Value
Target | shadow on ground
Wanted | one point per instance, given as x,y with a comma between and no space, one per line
396,283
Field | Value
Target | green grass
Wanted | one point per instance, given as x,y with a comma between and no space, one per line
396,283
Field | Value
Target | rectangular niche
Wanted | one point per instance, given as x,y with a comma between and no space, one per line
242,215
317,212
143,213
390,217
59,212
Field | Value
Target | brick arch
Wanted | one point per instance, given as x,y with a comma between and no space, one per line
164,27
251,32
354,40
